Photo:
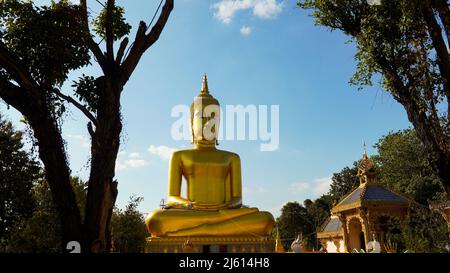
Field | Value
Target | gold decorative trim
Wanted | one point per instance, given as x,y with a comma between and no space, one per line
330,234
349,206
234,244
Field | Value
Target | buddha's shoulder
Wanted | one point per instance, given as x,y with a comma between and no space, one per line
190,152
230,154
179,153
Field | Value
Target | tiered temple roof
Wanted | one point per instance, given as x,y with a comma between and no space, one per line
368,196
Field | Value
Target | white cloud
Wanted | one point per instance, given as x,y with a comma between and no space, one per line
246,30
299,187
136,163
130,164
128,161
162,151
134,155
83,140
266,9
254,190
321,185
317,187
225,10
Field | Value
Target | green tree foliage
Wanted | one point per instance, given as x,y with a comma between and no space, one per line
18,171
318,211
119,26
39,233
404,42
129,231
49,39
393,232
293,221
404,168
425,231
344,182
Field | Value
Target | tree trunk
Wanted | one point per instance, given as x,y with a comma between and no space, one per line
444,13
439,156
105,140
102,188
443,59
431,135
52,154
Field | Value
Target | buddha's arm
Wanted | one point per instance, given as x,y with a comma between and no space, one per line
175,178
236,183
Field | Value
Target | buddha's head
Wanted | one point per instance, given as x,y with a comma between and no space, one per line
205,117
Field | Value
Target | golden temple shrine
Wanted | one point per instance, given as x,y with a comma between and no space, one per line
357,218
211,217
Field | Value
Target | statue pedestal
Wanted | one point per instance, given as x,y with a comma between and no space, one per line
224,244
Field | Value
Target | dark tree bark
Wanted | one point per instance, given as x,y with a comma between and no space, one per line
52,154
444,13
432,132
428,131
443,58
28,97
105,139
29,100
102,188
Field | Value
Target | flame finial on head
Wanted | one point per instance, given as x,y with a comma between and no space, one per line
364,151
205,89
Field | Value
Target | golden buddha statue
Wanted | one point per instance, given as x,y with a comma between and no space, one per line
213,205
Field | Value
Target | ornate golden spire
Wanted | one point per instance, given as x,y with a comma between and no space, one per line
366,168
364,151
278,245
205,89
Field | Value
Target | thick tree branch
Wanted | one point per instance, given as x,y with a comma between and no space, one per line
143,42
444,13
443,58
93,46
432,136
90,130
12,65
121,51
13,95
109,30
156,30
75,103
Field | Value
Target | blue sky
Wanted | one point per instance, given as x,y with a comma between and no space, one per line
260,52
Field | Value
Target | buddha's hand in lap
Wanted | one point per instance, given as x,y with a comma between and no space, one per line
184,205
208,206
181,203
232,204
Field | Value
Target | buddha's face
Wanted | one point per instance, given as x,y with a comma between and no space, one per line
205,123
